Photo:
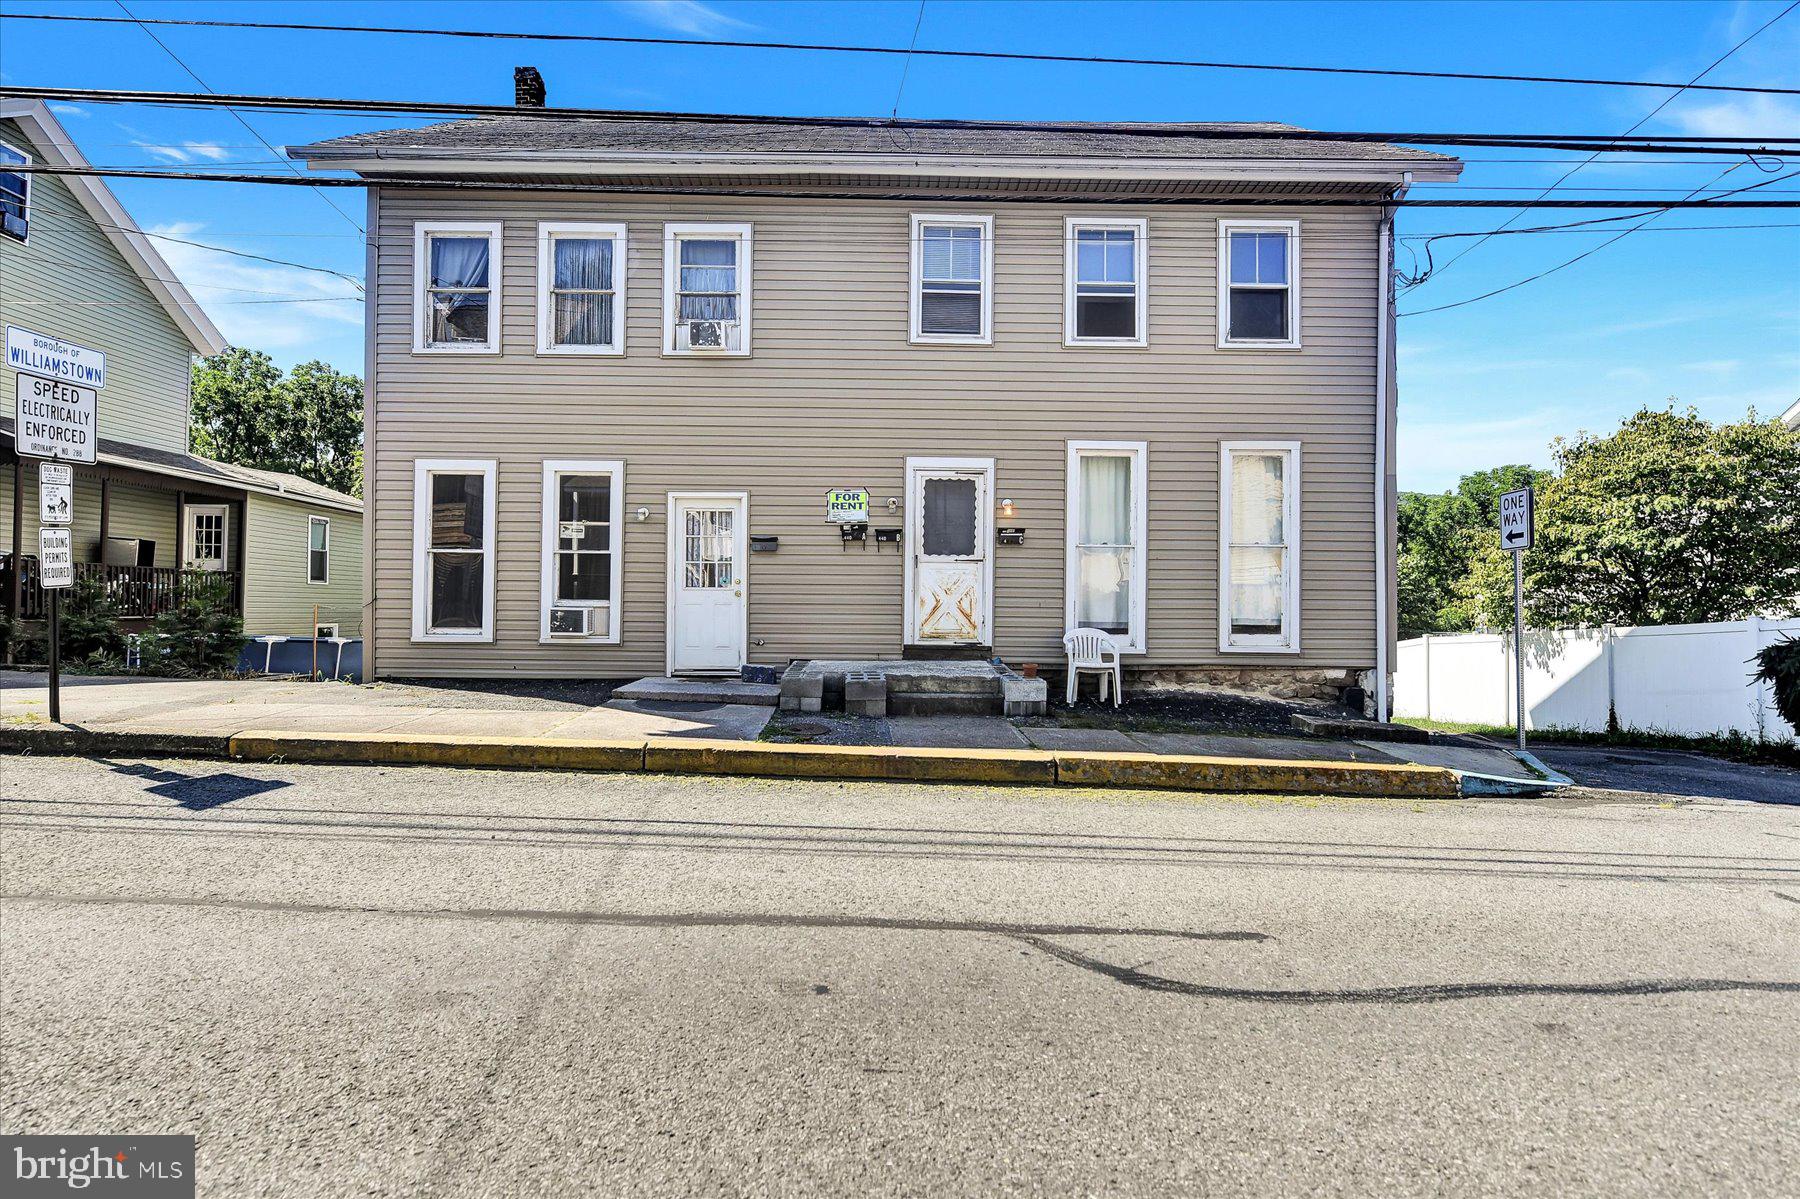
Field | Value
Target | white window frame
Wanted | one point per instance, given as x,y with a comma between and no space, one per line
1290,227
423,470
548,233
1139,228
1288,640
319,636
554,469
916,278
310,522
423,231
25,182
1139,453
673,235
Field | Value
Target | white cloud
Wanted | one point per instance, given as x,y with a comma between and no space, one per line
224,285
683,16
185,152
1435,452
1741,116
67,110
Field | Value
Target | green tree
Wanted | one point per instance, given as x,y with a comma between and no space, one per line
308,424
1440,537
1669,520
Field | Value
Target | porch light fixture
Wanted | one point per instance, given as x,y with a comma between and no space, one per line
643,514
1007,510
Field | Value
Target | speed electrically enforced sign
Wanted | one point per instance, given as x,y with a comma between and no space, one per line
1516,520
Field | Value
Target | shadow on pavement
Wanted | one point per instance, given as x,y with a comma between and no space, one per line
198,792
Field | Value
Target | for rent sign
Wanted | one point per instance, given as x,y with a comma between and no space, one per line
57,420
41,354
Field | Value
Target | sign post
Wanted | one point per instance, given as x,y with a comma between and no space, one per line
56,570
1517,525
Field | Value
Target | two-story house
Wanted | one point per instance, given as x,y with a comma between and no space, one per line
86,300
679,394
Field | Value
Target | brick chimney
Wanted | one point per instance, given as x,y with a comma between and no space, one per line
528,87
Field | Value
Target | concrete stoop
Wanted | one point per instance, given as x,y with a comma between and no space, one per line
699,691
888,687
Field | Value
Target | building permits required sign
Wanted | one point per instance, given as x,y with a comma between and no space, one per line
56,562
41,354
56,494
56,420
1516,520
847,506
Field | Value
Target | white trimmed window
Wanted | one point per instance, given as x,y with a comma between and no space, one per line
706,289
1108,531
1259,546
1259,284
453,549
318,549
456,287
323,631
15,193
952,279
581,288
1104,291
581,568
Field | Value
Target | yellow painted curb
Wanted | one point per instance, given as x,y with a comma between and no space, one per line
903,763
411,749
1195,773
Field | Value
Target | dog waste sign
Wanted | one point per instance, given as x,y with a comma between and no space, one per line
56,494
846,506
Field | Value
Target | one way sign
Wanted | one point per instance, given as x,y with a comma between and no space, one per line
1516,520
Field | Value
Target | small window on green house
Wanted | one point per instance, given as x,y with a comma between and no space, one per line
318,550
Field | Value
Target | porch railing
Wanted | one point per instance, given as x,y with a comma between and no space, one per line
142,592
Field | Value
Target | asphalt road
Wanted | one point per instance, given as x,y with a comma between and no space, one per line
352,981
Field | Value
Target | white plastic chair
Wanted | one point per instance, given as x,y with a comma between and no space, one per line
1093,652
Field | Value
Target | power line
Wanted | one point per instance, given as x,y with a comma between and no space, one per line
654,189
991,55
1663,229
192,74
906,63
1731,146
1645,119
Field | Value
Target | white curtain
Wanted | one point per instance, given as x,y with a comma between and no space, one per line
1258,543
1103,536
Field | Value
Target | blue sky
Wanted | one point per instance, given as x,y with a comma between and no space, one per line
1712,318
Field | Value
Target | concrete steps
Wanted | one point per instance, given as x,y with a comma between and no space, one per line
885,687
699,691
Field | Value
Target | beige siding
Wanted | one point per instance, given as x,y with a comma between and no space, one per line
68,281
277,597
834,395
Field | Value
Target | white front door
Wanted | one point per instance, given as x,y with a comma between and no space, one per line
949,518
205,535
707,601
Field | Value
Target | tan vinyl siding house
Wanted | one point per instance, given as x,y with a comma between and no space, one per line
839,390
147,513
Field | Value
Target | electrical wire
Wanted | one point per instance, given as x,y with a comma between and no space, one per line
990,55
1645,119
1222,133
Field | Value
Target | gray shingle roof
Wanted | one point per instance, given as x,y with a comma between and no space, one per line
512,136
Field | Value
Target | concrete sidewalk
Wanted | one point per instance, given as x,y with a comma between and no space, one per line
560,726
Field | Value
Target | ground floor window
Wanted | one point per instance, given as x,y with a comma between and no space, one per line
1107,534
1259,561
453,555
581,568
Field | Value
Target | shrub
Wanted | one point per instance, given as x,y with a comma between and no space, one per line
1779,666
202,634
88,622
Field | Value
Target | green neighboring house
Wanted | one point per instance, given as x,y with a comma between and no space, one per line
148,514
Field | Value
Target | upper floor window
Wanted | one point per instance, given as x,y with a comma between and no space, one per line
1104,294
318,549
15,193
1259,284
706,289
581,288
456,301
952,269
1259,546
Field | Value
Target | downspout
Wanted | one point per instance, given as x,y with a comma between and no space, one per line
371,272
1384,419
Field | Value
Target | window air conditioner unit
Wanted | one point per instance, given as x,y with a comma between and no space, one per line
709,335
571,622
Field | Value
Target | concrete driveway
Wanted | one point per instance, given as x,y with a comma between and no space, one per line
399,982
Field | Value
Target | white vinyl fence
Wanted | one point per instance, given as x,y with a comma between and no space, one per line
1682,678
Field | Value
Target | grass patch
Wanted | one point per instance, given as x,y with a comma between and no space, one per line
1735,747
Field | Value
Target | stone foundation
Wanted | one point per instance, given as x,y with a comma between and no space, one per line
1304,684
